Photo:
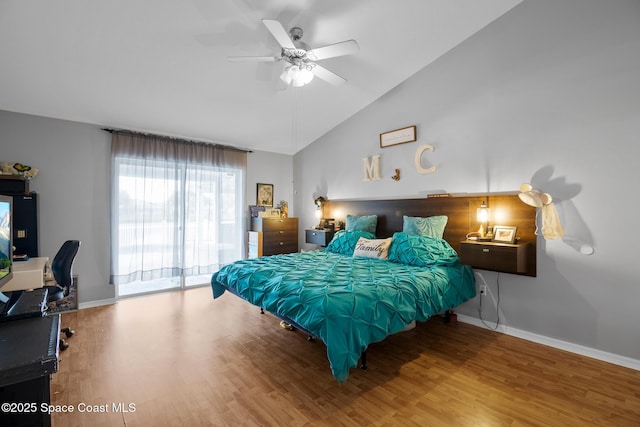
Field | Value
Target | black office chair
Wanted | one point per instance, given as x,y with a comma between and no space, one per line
61,268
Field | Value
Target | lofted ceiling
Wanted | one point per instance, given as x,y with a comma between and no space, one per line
160,66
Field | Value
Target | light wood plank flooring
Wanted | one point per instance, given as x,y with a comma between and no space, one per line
183,359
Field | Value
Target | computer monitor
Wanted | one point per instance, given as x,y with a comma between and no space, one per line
6,239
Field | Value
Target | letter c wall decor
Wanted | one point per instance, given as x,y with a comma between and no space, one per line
418,159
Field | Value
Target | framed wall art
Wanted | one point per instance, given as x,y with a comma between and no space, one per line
264,195
398,136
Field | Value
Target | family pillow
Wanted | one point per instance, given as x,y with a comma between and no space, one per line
372,248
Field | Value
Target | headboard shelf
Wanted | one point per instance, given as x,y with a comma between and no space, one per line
461,211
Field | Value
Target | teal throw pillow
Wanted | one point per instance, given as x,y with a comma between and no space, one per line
421,251
432,226
344,242
362,223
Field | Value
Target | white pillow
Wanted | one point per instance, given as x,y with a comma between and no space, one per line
372,248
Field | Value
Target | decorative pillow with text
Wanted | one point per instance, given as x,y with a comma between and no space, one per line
344,242
372,248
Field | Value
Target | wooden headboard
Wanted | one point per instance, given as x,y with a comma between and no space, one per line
461,211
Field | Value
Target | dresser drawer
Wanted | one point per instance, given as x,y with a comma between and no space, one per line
279,247
274,224
279,236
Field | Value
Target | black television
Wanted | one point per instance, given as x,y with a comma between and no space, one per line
6,239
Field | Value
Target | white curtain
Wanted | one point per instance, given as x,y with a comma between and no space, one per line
177,207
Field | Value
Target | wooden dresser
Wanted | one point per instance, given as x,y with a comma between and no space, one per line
272,236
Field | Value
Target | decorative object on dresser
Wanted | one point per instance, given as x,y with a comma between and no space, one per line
270,213
283,206
272,236
254,211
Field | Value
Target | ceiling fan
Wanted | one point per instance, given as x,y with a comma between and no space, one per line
300,60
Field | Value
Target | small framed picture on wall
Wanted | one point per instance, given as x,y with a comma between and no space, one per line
264,195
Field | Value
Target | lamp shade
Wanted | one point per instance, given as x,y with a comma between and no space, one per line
482,213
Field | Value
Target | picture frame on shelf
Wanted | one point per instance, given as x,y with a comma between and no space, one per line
504,234
264,195
270,213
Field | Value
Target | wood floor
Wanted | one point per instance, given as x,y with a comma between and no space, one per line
183,359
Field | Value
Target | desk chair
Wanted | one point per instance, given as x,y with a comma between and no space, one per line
61,268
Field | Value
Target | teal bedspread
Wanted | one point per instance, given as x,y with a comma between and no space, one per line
348,302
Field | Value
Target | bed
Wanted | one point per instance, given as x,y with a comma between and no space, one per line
350,302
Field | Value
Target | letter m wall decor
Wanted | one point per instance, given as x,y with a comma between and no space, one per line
371,169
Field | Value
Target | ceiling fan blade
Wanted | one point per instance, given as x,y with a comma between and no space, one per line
252,59
327,76
338,49
279,33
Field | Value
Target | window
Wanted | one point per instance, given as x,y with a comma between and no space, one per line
176,217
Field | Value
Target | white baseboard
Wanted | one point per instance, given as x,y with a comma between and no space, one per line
593,353
97,303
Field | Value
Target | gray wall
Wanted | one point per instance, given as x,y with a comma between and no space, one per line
73,188
271,168
546,94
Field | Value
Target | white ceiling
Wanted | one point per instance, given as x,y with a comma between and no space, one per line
160,66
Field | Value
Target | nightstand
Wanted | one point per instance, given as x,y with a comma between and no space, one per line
318,237
503,257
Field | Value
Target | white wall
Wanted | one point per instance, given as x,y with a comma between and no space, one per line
546,94
73,189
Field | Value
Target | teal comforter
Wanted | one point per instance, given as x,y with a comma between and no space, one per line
348,302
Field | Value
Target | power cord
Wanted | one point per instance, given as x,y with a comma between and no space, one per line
497,302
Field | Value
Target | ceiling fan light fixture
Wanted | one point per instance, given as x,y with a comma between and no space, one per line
299,59
296,75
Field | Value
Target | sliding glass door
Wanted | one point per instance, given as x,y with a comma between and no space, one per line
173,223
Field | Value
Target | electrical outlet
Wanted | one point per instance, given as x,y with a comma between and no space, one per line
483,290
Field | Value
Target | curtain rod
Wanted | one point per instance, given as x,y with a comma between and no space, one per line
215,145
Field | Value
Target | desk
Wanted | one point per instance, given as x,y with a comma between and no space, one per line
28,357
27,274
